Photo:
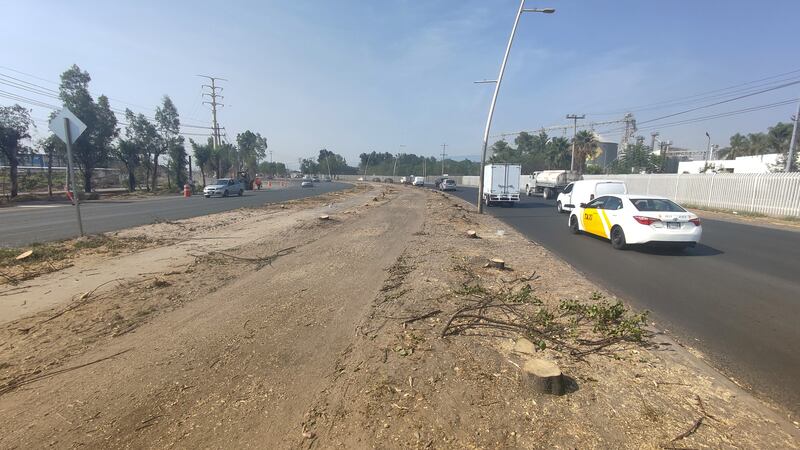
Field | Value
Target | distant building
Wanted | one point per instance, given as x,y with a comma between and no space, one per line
742,164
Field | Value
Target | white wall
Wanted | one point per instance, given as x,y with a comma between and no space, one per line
742,164
775,194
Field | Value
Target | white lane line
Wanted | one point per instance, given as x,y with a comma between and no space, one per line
40,206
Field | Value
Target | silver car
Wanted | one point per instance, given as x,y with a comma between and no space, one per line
224,187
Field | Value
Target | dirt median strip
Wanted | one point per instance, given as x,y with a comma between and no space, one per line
382,326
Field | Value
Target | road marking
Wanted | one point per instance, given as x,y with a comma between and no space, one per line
40,206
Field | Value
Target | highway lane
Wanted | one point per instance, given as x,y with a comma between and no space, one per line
735,297
43,221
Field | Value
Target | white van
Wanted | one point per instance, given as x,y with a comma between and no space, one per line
584,191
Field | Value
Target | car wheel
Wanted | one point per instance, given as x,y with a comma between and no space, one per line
241,192
225,193
546,194
618,238
559,208
207,196
573,225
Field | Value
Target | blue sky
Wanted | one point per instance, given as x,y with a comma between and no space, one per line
355,76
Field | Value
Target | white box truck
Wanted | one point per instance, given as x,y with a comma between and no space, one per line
501,183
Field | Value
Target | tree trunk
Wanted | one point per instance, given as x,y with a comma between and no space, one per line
203,174
155,171
131,179
50,175
13,163
87,181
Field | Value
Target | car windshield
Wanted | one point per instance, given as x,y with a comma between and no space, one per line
656,204
221,181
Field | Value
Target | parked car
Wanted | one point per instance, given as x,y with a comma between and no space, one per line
327,179
418,181
627,219
388,180
448,184
360,179
376,179
224,187
306,183
315,179
584,191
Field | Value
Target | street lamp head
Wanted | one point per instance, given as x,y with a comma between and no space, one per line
541,10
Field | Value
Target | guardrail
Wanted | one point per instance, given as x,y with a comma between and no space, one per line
774,194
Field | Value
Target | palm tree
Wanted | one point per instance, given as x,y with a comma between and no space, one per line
586,146
557,153
738,147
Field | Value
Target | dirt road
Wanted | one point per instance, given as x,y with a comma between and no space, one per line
273,328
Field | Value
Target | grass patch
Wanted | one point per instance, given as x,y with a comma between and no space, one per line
41,253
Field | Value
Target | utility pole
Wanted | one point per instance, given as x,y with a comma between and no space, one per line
574,118
213,95
708,149
444,154
790,156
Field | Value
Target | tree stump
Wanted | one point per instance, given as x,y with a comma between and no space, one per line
472,234
497,263
543,376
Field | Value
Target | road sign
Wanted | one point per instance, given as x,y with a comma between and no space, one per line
76,127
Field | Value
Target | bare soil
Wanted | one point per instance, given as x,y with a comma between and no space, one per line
273,328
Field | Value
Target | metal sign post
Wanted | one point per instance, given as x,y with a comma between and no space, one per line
68,128
72,175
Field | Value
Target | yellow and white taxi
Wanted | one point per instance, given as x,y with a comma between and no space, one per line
637,219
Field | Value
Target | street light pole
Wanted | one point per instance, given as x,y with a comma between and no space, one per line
708,148
497,83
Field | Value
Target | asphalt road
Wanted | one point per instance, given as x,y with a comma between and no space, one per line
44,221
735,297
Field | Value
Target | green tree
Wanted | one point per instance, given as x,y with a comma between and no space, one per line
203,156
332,163
272,168
168,124
308,166
503,153
223,157
558,153
586,146
252,148
93,147
52,147
15,122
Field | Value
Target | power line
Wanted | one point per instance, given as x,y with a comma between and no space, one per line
45,91
708,117
702,95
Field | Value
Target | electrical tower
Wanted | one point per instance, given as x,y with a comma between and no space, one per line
627,135
213,95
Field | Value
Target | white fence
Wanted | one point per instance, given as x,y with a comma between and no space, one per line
774,194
